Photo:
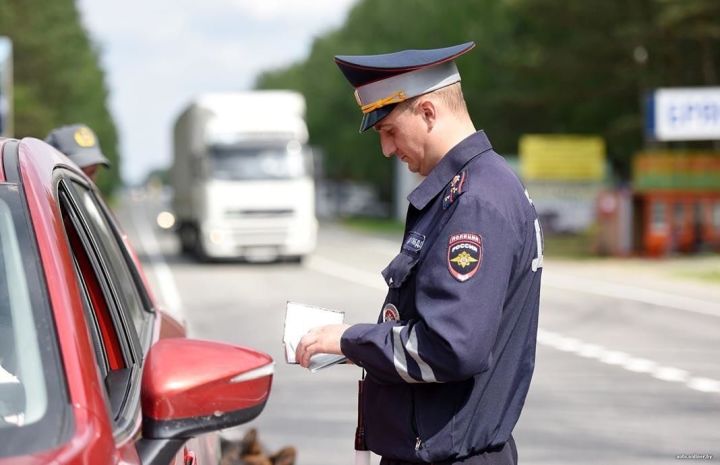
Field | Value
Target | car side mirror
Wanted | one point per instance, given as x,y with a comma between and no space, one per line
190,387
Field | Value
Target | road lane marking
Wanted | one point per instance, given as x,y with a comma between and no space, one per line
633,293
165,279
626,361
672,374
591,351
704,384
640,365
340,270
614,357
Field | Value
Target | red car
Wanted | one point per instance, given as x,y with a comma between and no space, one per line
91,371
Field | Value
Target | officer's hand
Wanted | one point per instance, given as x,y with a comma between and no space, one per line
320,340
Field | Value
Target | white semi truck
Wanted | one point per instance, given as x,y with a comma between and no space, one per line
242,177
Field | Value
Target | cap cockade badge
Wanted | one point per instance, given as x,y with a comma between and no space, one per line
84,137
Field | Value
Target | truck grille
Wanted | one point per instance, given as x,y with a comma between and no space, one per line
260,213
260,236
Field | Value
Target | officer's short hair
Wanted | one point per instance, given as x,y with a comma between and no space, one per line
451,96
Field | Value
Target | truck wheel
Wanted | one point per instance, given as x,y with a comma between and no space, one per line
294,259
186,237
198,246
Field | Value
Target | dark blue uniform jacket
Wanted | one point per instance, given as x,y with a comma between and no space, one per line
449,362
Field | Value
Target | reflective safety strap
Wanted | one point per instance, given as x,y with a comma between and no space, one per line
426,371
399,359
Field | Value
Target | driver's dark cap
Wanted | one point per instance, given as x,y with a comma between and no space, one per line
79,143
383,81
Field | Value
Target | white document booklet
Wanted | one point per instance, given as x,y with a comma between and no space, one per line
299,319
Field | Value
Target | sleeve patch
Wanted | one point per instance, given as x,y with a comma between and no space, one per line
465,254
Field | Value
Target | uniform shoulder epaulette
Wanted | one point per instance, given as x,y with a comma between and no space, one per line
455,188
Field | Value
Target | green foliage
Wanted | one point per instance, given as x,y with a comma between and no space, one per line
57,76
540,66
158,176
376,226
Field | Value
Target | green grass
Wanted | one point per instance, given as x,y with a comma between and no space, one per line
712,276
375,225
568,246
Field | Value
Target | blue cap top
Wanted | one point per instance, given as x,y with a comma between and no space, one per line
79,143
382,81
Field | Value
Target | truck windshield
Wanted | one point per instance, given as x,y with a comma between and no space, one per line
259,162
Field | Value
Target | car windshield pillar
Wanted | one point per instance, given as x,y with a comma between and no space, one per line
32,397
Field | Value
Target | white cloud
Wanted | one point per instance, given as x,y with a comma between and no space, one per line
159,54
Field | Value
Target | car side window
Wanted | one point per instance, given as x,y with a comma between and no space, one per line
114,352
108,350
115,311
116,260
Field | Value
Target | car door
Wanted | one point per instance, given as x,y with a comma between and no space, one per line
119,310
119,318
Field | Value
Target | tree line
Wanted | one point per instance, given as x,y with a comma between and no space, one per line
540,66
57,76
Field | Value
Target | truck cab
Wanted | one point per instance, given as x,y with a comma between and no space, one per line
242,177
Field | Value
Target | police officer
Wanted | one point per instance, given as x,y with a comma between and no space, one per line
450,360
79,143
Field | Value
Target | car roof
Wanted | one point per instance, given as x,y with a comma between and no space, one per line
35,153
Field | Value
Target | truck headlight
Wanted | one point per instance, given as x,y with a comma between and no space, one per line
165,220
217,237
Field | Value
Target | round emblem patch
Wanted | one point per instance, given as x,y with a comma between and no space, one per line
84,137
465,253
390,313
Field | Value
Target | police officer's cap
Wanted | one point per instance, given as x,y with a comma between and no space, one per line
383,81
79,143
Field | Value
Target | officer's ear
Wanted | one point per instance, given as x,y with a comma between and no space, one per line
427,110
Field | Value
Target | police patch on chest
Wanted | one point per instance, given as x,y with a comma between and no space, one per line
465,254
390,313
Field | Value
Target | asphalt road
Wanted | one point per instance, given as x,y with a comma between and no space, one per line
627,365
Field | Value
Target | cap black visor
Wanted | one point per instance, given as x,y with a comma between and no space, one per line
371,119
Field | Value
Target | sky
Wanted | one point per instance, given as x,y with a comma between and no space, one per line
157,55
